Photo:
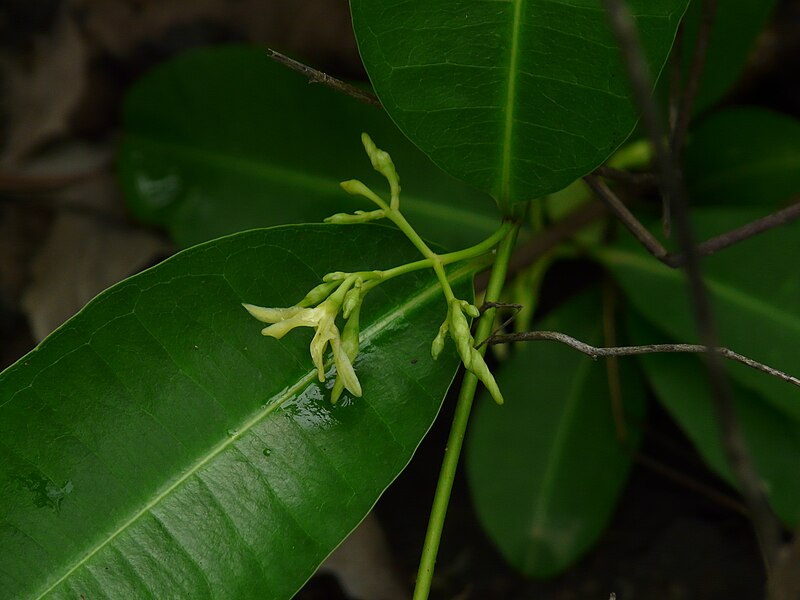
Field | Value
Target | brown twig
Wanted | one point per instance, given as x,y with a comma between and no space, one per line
487,305
690,483
624,29
675,77
543,243
715,244
707,248
684,114
639,231
595,352
315,76
764,522
626,177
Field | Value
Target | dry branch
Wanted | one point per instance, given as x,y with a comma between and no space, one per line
315,76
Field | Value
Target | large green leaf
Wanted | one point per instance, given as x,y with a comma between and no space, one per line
681,385
224,139
744,156
754,291
546,468
736,25
157,446
518,98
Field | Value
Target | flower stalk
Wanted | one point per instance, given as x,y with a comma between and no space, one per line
323,319
343,293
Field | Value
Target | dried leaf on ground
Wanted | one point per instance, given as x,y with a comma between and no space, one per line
364,566
319,30
91,246
43,90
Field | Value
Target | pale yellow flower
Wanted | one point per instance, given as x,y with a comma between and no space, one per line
323,319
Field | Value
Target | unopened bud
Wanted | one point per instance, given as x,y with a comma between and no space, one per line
355,187
335,276
471,310
482,372
383,164
459,331
350,334
352,300
318,294
350,348
438,342
359,216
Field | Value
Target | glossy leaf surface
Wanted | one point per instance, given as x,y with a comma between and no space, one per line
221,140
158,446
681,385
546,468
744,156
754,291
518,98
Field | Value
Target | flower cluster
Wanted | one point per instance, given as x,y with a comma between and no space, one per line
345,291
457,327
319,309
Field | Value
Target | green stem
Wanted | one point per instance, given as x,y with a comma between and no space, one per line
463,407
396,217
443,259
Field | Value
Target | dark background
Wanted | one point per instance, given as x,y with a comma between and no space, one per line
65,235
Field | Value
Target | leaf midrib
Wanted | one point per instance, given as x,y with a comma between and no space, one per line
542,502
304,179
511,85
369,333
756,305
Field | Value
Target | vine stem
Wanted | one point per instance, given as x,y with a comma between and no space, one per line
396,217
455,440
475,251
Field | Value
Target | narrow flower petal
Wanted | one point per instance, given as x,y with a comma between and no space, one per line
318,294
438,342
319,344
271,315
459,331
305,317
482,372
344,369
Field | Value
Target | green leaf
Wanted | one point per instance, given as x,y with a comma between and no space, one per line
744,156
546,468
737,23
754,292
220,140
518,98
158,446
681,385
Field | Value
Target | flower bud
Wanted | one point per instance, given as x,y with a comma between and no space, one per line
349,346
438,342
459,331
383,164
352,300
335,276
482,372
350,334
471,310
359,216
355,188
318,294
